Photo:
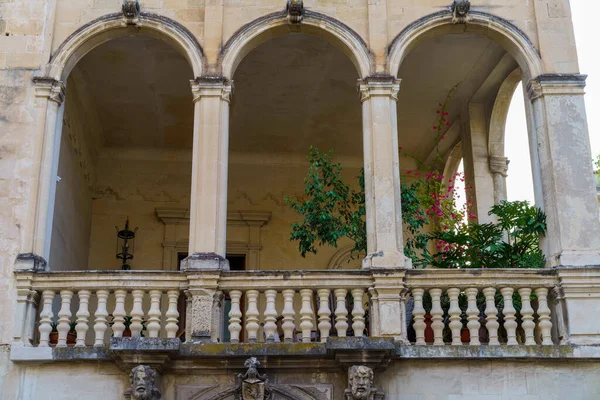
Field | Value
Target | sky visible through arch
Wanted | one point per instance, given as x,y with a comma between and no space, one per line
519,182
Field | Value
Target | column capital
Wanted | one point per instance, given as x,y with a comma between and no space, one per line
556,84
212,86
499,165
49,88
379,86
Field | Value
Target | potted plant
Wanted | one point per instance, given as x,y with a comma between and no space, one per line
127,323
71,335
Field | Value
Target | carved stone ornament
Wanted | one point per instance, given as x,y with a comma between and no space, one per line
360,384
295,11
143,384
131,12
252,385
460,11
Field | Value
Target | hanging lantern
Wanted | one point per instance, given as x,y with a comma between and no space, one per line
125,244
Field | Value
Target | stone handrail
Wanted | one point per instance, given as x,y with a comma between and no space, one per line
118,299
324,298
489,296
297,306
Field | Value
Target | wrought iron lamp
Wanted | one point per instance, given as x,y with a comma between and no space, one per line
125,244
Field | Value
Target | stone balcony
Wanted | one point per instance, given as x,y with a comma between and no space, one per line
367,316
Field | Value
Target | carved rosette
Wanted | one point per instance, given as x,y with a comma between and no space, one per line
460,11
360,384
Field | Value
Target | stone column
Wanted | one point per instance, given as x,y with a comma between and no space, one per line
565,161
499,168
478,177
36,250
208,208
385,245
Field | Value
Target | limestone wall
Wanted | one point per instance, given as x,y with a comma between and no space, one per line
403,380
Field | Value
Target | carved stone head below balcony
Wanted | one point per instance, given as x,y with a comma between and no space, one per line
143,384
360,382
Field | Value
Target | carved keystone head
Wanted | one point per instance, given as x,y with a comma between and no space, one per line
461,7
143,383
360,380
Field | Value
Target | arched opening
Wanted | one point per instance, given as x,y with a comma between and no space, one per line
291,92
125,152
471,72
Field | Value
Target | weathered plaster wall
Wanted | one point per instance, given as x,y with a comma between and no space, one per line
73,205
490,380
135,183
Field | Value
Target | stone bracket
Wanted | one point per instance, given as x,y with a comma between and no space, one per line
155,352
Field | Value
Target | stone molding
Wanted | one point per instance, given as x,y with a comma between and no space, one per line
484,23
50,88
499,165
275,24
212,86
379,86
556,85
112,26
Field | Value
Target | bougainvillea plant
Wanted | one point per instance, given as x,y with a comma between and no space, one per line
332,210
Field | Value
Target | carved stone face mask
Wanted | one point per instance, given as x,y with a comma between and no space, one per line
361,383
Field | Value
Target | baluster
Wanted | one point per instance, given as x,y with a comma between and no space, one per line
341,313
46,317
119,313
527,315
137,314
64,317
324,314
510,320
544,316
252,314
101,314
358,312
306,315
172,314
270,315
437,317
491,313
83,315
473,316
419,316
454,312
288,313
154,314
235,316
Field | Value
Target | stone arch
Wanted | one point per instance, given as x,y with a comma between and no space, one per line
275,25
341,258
111,26
511,38
500,113
453,161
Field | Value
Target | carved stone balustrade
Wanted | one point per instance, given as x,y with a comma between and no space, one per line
85,309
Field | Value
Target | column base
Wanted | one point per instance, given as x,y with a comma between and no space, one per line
30,261
205,261
383,259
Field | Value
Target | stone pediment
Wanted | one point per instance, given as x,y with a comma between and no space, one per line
280,392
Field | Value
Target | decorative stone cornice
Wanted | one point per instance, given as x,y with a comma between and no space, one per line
379,86
49,88
212,86
30,261
556,85
499,165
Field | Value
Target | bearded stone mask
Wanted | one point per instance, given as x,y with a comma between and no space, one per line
360,380
143,383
